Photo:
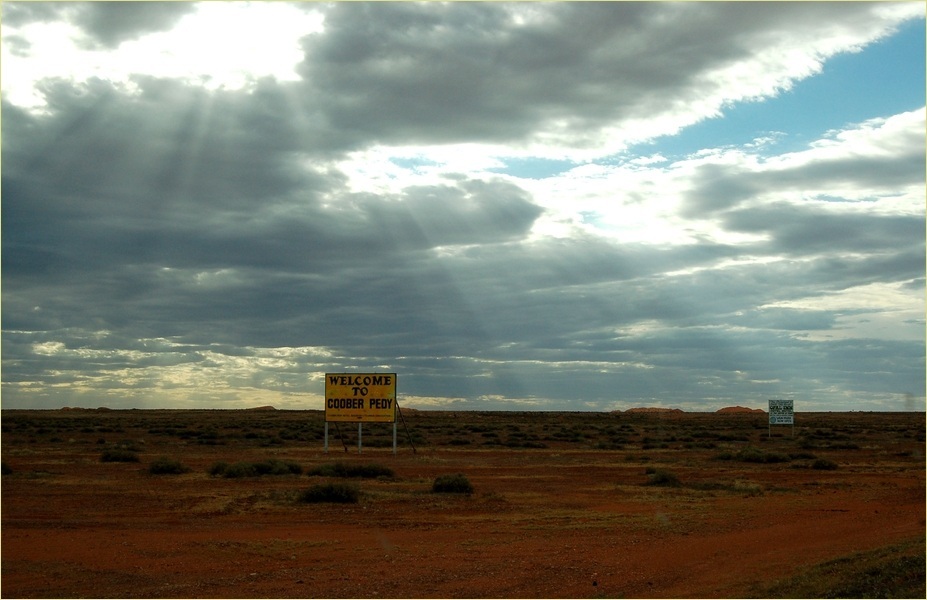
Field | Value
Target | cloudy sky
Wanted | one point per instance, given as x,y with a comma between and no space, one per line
525,206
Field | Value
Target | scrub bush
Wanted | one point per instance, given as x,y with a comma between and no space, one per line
662,478
255,469
342,493
754,455
278,467
452,484
891,572
218,468
240,469
822,464
340,469
119,455
167,466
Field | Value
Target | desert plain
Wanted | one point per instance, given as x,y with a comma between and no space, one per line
634,504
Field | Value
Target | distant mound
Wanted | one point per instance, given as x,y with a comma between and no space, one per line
652,409
262,408
738,409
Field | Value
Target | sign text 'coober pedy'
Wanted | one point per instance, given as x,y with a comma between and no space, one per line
360,397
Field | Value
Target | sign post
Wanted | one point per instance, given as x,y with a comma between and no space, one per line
360,398
781,412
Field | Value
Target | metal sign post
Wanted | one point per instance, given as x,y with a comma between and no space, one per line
360,398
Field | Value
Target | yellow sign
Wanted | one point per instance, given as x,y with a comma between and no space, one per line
360,397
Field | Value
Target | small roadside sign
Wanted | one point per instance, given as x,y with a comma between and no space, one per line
781,412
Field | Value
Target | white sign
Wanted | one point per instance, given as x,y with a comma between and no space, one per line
781,412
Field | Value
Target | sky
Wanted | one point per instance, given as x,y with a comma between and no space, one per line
512,206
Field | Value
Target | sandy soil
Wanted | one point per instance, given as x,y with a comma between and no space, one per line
570,515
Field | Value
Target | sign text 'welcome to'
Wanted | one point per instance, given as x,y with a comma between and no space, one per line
360,397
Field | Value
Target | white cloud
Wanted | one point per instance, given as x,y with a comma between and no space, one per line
218,45
391,169
657,202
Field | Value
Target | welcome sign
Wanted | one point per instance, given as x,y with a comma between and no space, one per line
360,397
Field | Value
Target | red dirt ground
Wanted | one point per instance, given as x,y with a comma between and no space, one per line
569,520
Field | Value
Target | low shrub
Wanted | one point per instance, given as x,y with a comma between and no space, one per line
278,467
525,444
844,446
342,493
802,456
255,469
218,468
609,445
890,572
240,469
167,466
775,457
119,455
340,469
754,455
823,464
662,477
747,488
452,484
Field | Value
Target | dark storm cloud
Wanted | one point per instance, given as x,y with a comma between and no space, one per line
469,212
796,230
120,21
505,72
173,212
166,178
175,178
105,24
21,13
168,144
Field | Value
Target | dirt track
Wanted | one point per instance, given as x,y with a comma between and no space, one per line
561,506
